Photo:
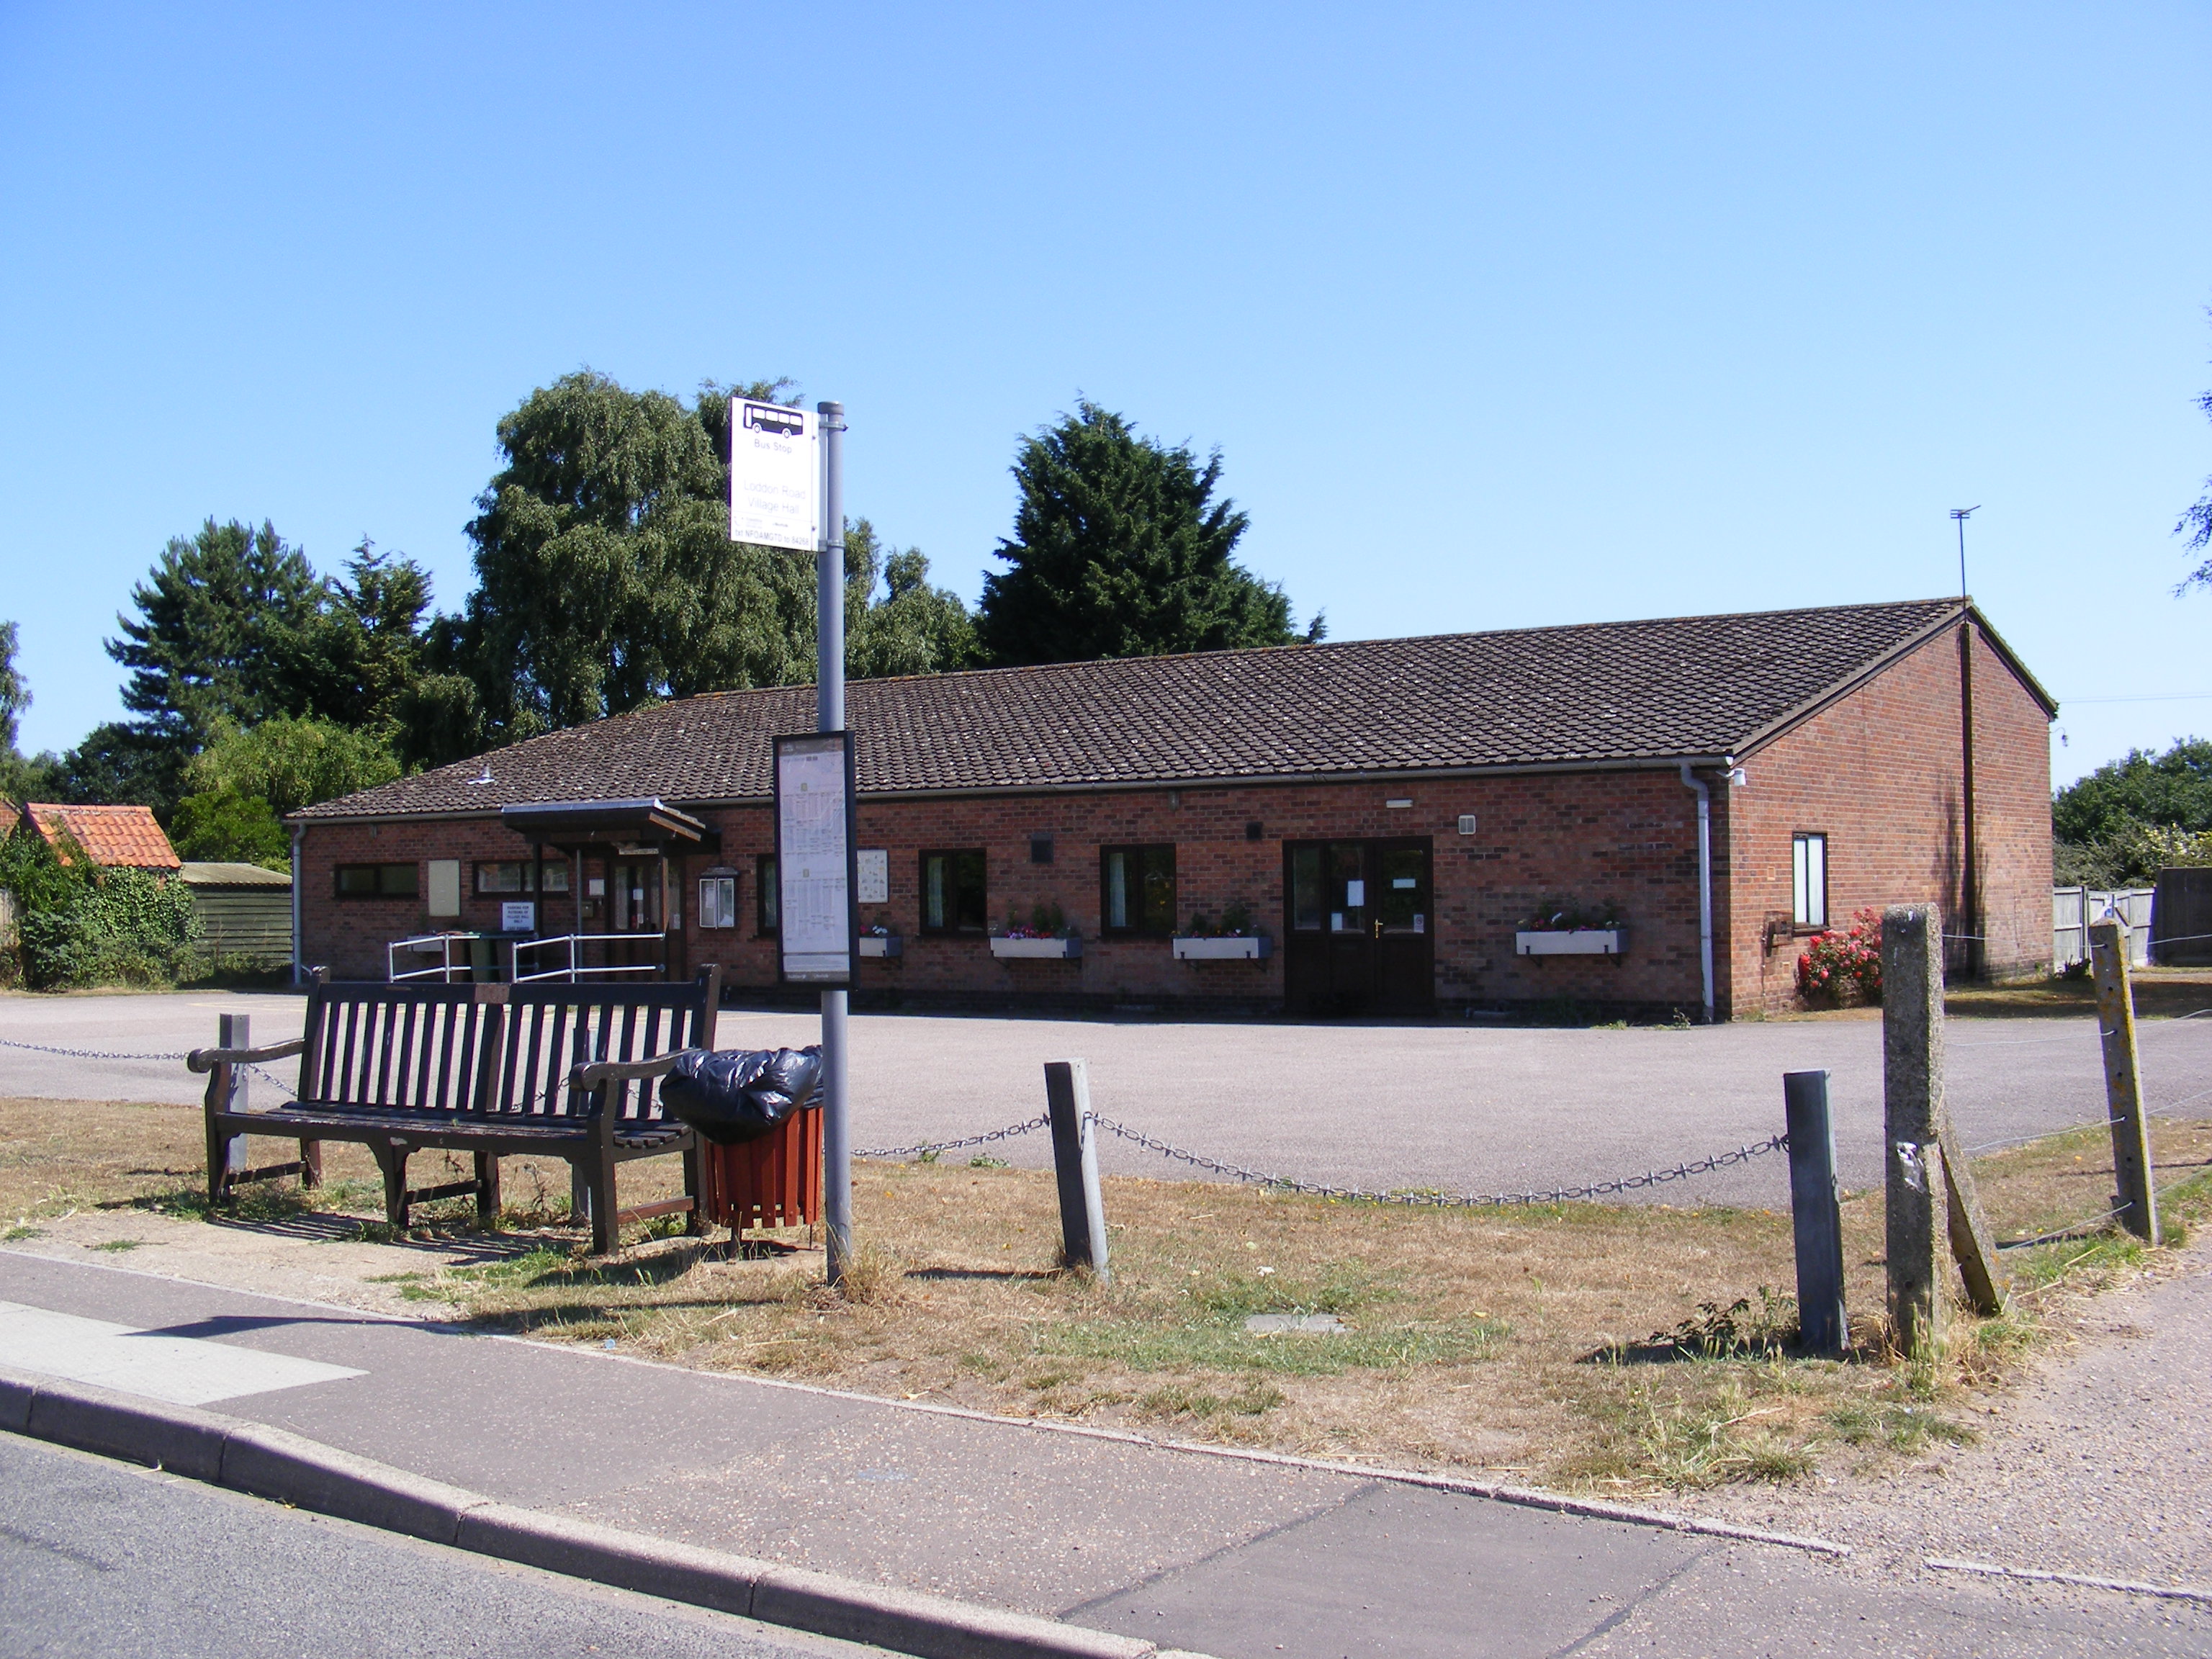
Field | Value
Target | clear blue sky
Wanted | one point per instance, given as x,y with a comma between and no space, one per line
1498,317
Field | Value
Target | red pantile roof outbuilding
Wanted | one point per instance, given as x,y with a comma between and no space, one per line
113,837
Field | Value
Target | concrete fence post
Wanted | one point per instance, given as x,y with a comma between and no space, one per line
1075,1165
1822,1326
1912,1109
235,1031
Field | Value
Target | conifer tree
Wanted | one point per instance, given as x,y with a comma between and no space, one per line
1120,549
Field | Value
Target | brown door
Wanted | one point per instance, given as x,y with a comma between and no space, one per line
635,893
1358,938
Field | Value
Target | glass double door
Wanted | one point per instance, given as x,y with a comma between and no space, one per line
1360,935
637,909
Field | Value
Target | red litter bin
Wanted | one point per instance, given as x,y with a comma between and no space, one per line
774,1182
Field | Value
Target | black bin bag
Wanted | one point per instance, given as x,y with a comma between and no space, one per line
732,1095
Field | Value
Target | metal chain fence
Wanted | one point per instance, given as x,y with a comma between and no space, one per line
261,1072
1321,1190
930,1148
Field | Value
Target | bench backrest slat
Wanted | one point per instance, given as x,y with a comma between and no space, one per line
498,1049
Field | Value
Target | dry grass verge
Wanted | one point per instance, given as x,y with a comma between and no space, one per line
1619,1349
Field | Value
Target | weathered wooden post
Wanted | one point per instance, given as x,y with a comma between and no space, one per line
2115,1024
1075,1165
1822,1327
1912,1108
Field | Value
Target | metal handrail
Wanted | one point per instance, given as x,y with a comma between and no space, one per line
574,941
443,971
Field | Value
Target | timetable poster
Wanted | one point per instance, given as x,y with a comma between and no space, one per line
814,857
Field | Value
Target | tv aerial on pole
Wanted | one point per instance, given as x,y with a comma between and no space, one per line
1959,516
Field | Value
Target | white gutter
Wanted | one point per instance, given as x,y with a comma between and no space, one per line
1704,882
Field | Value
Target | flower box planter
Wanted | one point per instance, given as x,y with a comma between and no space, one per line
1249,947
882,944
1579,942
1036,950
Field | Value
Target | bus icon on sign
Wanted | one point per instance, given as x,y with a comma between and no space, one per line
779,422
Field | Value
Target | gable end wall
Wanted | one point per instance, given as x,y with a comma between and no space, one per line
1881,773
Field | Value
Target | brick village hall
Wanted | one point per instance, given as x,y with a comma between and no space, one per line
1388,819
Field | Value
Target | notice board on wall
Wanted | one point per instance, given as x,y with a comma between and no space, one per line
814,858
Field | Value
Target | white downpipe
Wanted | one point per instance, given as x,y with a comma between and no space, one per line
1704,882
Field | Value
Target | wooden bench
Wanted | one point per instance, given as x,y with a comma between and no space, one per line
499,1071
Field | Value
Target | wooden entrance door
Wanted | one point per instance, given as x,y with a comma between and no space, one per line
1359,935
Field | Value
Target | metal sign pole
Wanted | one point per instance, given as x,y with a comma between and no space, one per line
830,716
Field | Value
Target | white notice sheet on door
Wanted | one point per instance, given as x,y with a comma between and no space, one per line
815,919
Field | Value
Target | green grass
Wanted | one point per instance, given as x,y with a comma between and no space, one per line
19,1232
1202,1328
118,1245
1710,1438
1898,1425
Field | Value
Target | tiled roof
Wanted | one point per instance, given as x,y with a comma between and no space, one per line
113,837
1683,687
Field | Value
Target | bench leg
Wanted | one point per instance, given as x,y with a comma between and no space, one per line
311,1164
393,1160
218,1163
606,1233
580,1194
487,1189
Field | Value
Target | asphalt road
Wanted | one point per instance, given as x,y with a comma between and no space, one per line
111,1561
1466,1108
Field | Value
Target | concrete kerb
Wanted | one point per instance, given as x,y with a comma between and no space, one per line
274,1464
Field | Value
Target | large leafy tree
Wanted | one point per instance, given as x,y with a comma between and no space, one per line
223,627
22,778
606,578
895,621
358,657
2197,523
247,779
2173,789
1120,549
14,694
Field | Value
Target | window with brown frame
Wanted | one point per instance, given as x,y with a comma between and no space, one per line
953,898
1137,889
367,881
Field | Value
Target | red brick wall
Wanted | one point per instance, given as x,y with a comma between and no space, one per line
1584,837
1881,774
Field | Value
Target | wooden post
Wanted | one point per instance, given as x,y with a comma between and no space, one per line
2115,1024
1822,1327
1912,1106
1969,1233
1075,1165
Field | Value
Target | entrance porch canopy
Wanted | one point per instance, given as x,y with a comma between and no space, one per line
644,826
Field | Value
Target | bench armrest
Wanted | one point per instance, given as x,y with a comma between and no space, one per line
593,1073
206,1060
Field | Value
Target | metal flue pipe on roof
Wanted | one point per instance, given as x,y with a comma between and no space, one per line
1690,781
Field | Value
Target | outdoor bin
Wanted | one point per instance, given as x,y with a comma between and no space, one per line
774,1182
758,1117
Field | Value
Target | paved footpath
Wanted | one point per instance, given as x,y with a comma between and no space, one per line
1239,1559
